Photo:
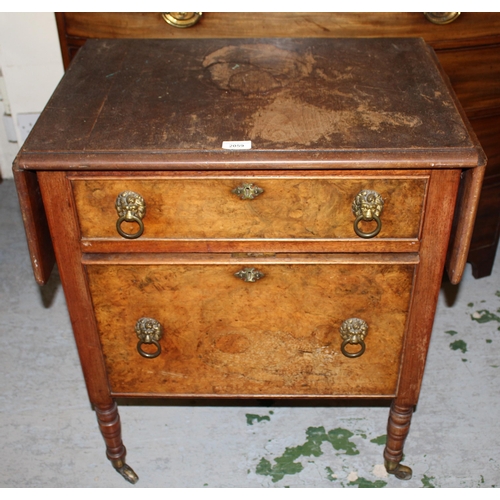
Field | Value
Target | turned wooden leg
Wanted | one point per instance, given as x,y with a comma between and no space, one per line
397,430
110,426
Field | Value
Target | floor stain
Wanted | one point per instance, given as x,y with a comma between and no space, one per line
361,482
459,345
484,316
330,475
286,464
426,481
380,440
252,417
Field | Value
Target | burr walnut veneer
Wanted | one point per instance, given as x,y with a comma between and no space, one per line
252,218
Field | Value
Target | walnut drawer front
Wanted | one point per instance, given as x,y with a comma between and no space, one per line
278,208
278,335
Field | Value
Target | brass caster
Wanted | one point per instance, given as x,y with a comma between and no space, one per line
400,471
126,471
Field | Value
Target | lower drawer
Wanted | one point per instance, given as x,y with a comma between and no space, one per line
224,334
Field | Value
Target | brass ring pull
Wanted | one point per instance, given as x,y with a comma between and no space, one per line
353,331
130,207
353,354
149,331
441,17
373,233
367,206
130,218
181,19
149,354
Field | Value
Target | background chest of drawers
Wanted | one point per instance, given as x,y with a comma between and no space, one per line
467,46
307,265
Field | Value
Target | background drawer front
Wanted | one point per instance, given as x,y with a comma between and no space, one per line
279,335
469,25
206,208
474,74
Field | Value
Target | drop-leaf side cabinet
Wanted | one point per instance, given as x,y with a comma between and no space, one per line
242,218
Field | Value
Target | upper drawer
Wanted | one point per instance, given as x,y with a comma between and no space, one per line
236,207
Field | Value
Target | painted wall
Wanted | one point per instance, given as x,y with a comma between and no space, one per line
31,66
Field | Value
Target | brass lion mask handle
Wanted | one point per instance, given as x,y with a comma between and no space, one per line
353,331
149,331
130,207
367,206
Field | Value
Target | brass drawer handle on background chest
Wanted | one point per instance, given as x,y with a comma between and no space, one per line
367,206
441,17
149,331
353,331
249,274
131,207
247,191
181,19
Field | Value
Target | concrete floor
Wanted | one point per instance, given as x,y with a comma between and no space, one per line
49,435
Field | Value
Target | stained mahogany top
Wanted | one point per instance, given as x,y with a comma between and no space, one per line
303,103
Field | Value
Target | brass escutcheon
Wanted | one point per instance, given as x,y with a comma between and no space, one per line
181,19
149,331
353,331
441,17
247,191
249,274
367,206
130,207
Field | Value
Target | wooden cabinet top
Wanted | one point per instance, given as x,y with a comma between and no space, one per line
302,103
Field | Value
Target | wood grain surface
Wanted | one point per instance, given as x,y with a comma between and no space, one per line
293,95
464,31
478,90
35,224
279,335
297,207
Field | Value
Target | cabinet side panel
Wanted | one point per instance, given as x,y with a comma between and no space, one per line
440,205
61,216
